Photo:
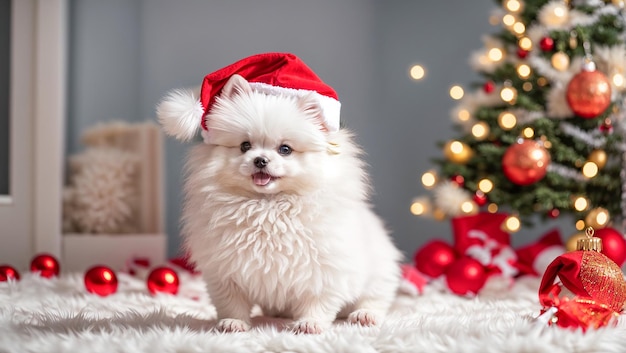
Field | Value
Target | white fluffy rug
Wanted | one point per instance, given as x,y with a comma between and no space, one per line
58,315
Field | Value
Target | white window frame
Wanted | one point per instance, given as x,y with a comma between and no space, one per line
48,22
50,123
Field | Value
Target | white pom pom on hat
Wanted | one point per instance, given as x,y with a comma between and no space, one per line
181,113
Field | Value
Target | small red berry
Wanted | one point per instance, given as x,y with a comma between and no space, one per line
522,53
489,86
458,179
480,198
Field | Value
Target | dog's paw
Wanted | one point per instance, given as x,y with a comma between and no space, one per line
232,325
362,317
307,327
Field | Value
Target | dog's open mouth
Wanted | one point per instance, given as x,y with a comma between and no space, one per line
262,179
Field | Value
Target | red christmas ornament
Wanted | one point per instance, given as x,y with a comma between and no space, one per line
554,213
458,180
8,273
525,162
46,265
522,53
466,276
489,86
546,44
101,280
480,198
613,244
606,127
596,288
434,258
163,280
588,93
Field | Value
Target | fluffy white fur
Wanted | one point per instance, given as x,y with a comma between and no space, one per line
58,315
180,114
305,245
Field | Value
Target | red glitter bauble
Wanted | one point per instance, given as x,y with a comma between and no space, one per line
466,276
101,280
546,44
46,264
163,280
434,258
8,273
613,244
525,162
588,93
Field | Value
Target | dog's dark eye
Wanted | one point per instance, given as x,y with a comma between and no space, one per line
284,150
245,146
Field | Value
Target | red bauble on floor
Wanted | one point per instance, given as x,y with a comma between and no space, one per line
466,276
101,280
434,258
163,280
46,264
8,273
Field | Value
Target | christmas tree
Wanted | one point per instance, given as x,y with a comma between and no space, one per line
543,133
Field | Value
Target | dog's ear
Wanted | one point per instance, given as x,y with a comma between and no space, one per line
310,105
235,85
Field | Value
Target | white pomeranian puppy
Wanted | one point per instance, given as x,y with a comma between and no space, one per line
276,214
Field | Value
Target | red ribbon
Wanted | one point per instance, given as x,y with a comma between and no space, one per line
577,312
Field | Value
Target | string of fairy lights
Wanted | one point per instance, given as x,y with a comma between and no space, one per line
494,53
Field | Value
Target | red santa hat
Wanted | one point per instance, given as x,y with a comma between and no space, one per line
181,113
534,258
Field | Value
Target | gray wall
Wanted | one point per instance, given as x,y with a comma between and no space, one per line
104,62
5,57
126,54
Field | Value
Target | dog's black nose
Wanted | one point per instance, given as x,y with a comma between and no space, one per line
261,162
